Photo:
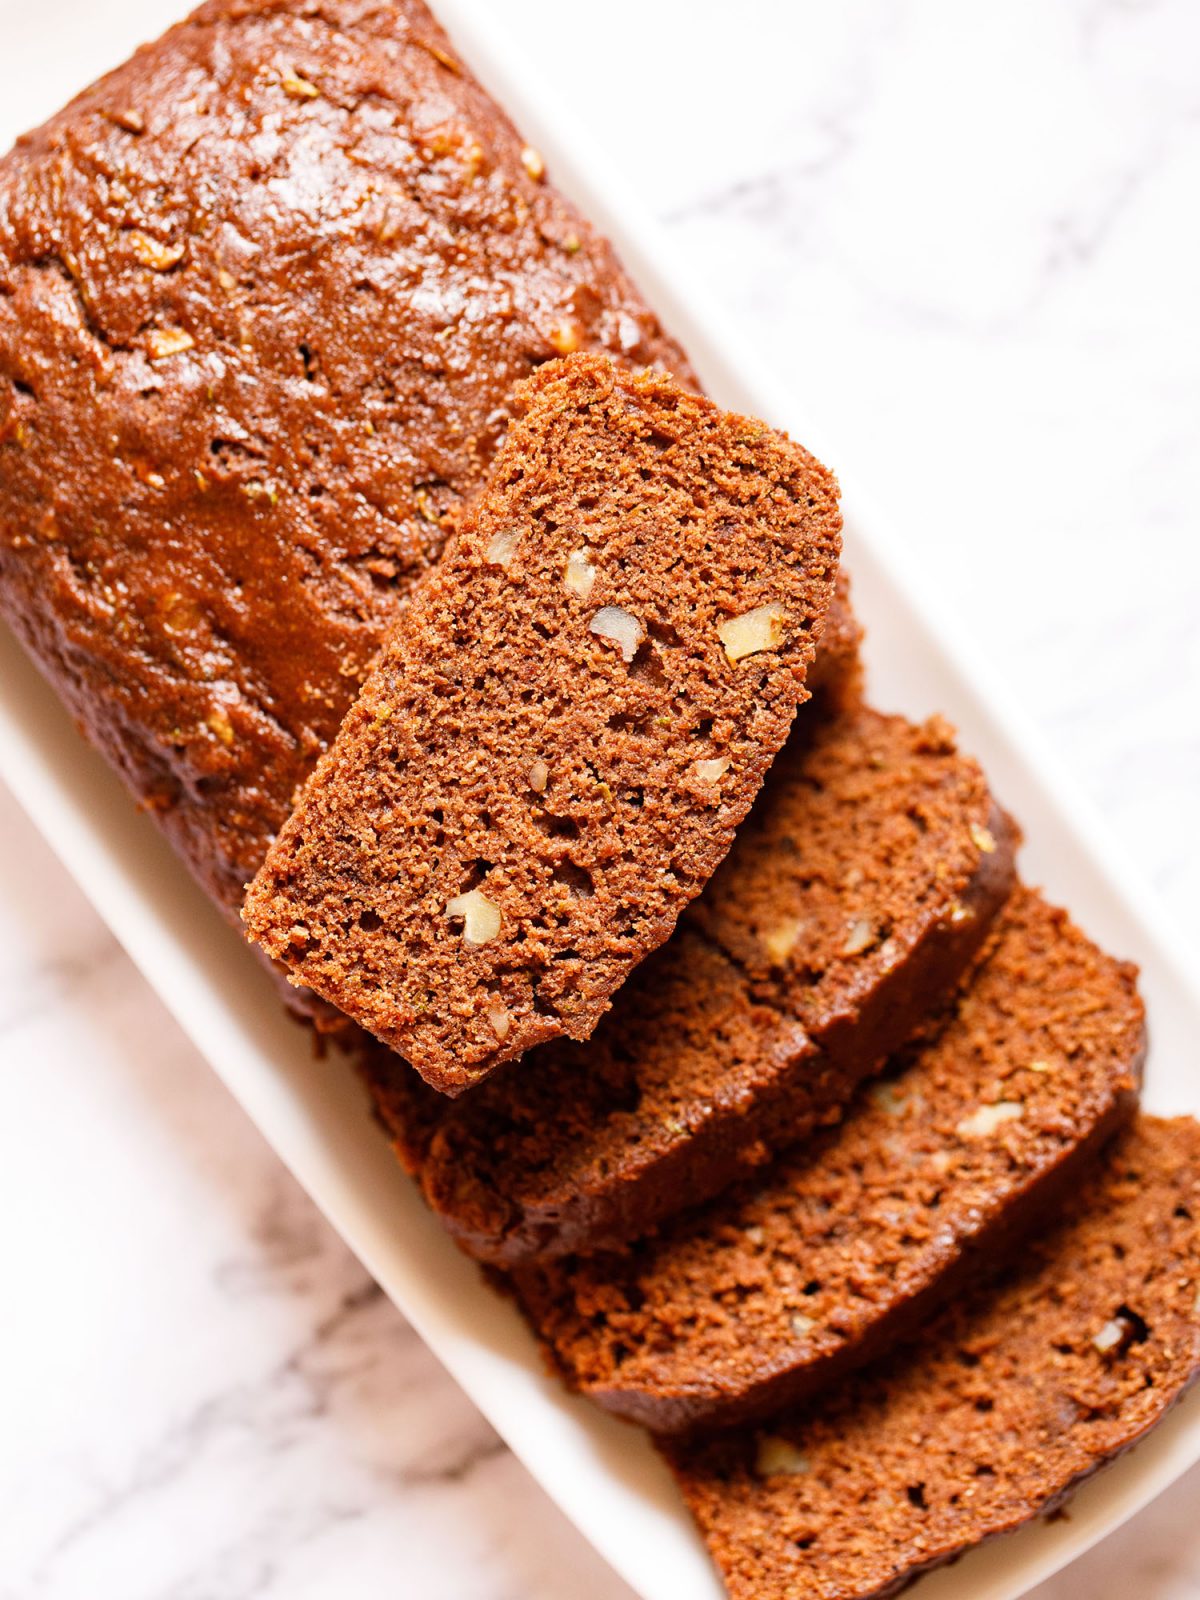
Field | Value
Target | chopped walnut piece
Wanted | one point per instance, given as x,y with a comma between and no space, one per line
984,838
859,937
579,575
132,121
162,343
775,1456
801,1325
1112,1335
153,253
782,940
503,547
497,1015
753,632
565,337
611,622
481,916
987,1119
531,160
299,88
711,771
539,777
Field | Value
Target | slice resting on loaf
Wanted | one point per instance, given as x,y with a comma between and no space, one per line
775,1290
1018,1392
264,292
566,727
878,846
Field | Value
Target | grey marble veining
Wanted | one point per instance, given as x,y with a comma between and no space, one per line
965,237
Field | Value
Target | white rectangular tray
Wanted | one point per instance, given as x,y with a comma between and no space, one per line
602,1473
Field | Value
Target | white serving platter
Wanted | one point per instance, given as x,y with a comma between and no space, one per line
603,1474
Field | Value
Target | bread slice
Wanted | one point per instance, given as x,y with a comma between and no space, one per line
694,1079
1016,1394
566,728
771,1293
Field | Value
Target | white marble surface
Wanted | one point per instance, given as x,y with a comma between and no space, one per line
968,237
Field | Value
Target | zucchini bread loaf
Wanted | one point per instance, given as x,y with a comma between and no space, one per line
566,727
263,293
1019,1391
694,1079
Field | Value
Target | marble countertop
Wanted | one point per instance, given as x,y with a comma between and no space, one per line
966,238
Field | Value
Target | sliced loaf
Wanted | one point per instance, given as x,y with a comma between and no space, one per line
772,1292
695,1078
1016,1394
